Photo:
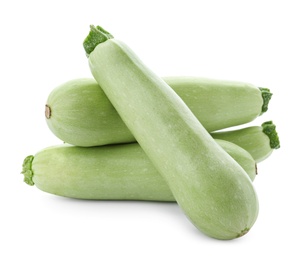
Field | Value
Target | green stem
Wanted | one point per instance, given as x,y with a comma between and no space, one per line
266,96
270,130
27,170
96,36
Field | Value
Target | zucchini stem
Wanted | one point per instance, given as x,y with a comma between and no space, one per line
96,36
266,96
27,170
47,111
270,130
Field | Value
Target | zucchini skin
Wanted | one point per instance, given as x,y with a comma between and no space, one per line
259,141
81,114
112,172
210,187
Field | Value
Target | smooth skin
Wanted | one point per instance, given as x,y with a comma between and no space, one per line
111,172
211,188
259,141
78,111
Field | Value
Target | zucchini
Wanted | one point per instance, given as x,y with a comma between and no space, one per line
78,111
111,172
259,141
211,188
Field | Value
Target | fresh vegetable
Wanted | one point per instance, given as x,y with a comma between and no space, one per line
111,172
78,111
212,189
259,141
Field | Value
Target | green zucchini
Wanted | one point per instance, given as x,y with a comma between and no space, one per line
211,188
259,141
78,111
111,172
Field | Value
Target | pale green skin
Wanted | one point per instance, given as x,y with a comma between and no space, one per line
212,189
113,172
252,139
82,115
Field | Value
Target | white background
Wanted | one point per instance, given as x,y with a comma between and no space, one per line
261,42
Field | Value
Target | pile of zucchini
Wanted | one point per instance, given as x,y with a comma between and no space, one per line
131,135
